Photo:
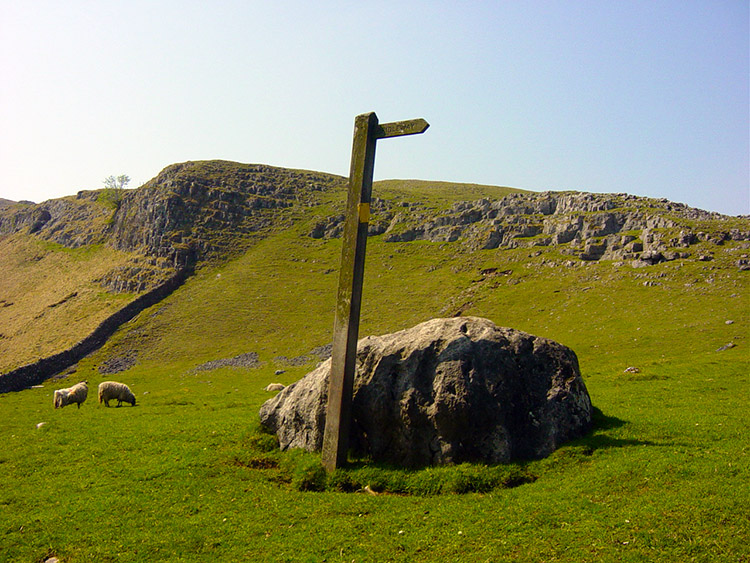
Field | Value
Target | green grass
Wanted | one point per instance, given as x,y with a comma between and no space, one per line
438,195
170,479
188,476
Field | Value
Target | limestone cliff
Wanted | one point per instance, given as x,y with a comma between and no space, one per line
586,226
190,212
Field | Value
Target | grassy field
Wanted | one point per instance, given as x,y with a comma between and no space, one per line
187,475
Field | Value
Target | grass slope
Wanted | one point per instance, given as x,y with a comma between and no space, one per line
439,195
48,299
185,475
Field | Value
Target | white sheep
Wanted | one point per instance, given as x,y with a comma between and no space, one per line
76,394
275,387
109,390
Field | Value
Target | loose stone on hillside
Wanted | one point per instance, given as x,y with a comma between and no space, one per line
445,391
248,360
119,363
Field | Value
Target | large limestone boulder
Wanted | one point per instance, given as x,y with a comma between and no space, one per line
445,391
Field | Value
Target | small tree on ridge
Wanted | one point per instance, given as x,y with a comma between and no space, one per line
112,194
116,182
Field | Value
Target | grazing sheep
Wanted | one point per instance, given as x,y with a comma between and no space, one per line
76,394
109,390
275,387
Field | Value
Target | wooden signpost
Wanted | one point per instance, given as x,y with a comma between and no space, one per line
367,131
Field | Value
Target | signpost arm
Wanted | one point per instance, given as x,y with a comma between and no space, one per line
349,298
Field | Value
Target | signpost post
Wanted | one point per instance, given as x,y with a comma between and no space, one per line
367,131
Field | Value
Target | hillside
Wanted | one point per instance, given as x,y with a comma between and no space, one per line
651,295
88,255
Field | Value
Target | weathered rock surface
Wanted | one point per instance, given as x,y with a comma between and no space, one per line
201,210
446,391
190,212
592,227
197,209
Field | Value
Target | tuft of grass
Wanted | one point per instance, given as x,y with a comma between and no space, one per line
303,472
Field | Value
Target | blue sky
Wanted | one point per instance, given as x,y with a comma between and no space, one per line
648,98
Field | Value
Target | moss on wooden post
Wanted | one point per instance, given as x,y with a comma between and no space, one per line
367,131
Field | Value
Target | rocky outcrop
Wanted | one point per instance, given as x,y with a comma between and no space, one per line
72,221
446,391
202,210
614,227
190,212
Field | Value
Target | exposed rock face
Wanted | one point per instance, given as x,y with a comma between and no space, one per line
590,226
446,391
73,221
191,211
201,210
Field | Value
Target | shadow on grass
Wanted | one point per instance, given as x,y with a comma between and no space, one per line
602,442
597,440
601,421
304,472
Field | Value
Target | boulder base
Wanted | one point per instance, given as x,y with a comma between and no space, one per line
445,391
